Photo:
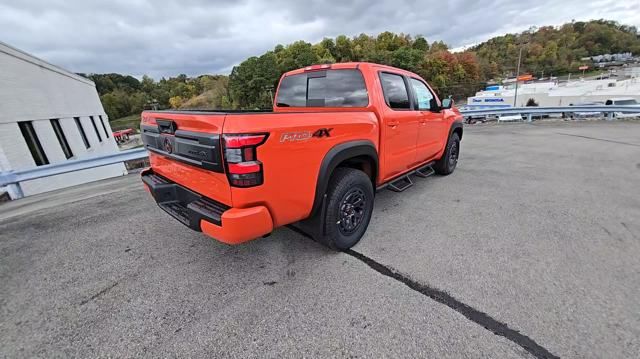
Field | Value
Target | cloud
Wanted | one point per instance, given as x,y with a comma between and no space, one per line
166,38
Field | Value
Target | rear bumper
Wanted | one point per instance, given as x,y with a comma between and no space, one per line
226,224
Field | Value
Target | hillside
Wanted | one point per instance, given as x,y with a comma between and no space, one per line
554,50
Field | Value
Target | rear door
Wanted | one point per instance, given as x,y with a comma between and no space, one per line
186,149
400,131
431,125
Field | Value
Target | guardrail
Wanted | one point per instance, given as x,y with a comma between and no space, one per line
530,111
15,177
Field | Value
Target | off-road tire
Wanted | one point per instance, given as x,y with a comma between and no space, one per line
447,164
345,187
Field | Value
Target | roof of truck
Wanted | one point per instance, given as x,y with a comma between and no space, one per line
346,65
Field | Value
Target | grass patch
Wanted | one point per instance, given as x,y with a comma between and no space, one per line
132,121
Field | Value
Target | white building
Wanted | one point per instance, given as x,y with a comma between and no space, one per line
554,94
50,115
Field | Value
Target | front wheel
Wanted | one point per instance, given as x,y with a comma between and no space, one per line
447,164
349,208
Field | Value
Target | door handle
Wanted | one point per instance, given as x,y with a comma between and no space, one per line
393,123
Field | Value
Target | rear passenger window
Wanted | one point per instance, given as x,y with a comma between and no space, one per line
395,91
330,88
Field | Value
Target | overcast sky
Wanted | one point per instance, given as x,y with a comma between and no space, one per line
166,38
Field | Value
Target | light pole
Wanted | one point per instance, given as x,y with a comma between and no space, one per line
515,96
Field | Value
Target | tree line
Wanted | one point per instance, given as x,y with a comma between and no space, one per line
251,84
124,95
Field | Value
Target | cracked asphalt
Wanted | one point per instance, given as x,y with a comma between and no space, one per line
530,249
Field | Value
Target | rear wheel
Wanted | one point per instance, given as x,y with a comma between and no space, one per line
447,164
349,208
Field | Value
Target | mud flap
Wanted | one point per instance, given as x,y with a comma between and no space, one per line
313,227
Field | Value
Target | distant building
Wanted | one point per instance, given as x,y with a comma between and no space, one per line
608,60
622,82
625,56
553,94
49,115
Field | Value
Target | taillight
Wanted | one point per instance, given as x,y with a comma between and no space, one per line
241,156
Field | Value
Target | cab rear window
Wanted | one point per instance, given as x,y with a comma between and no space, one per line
329,88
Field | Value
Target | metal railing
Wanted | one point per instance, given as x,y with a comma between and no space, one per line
608,111
15,177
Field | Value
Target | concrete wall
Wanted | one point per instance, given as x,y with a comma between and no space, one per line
33,90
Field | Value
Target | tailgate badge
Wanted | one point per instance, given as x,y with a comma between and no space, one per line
168,147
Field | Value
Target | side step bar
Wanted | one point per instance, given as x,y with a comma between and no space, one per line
400,184
425,171
404,181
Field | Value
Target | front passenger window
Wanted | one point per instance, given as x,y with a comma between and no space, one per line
423,95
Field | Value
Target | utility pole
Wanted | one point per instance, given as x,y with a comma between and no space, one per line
515,96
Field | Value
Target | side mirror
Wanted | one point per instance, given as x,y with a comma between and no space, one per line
447,103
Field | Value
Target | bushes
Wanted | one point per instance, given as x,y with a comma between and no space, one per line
122,96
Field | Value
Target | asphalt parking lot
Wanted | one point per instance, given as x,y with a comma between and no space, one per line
530,249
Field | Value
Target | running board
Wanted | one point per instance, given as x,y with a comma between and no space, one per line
400,184
425,171
404,181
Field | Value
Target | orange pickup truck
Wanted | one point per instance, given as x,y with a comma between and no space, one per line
337,133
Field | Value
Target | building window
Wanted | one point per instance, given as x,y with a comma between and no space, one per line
82,133
106,133
62,139
95,128
33,143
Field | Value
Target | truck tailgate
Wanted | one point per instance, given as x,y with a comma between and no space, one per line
186,149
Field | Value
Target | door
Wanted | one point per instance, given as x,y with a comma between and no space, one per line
430,123
400,128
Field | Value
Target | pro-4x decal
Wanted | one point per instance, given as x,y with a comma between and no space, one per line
305,135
